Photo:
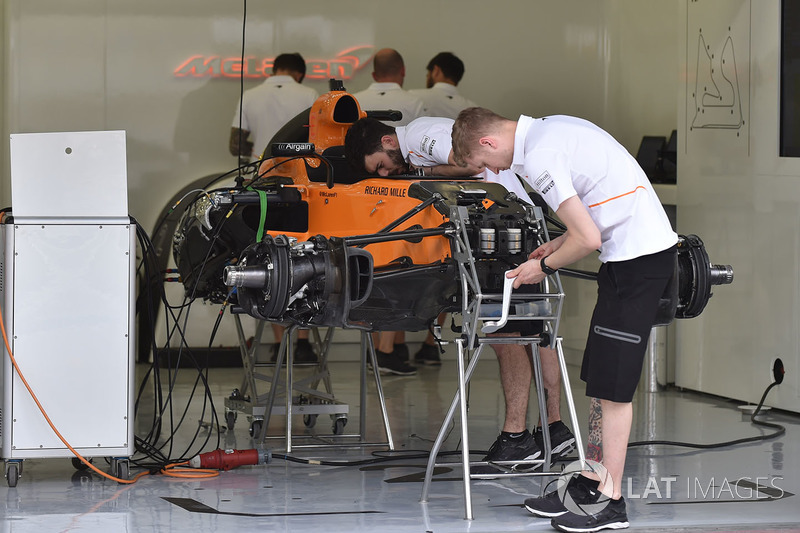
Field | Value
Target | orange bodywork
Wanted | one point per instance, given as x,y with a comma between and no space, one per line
360,208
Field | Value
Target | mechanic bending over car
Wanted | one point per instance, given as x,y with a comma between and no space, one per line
441,99
605,200
374,148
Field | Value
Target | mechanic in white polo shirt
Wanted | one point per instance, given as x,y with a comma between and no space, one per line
425,144
266,108
605,200
441,97
387,92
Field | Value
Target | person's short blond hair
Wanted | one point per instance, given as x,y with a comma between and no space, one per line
471,125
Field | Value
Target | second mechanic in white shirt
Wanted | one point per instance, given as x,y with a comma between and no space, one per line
387,92
441,97
267,107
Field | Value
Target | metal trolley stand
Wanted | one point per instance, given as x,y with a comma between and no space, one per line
303,396
546,307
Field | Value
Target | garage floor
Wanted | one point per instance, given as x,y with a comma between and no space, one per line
749,487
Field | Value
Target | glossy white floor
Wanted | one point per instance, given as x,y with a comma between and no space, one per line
749,487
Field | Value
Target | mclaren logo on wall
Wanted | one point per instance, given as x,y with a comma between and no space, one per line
343,66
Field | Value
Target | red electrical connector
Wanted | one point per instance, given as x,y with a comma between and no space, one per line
227,459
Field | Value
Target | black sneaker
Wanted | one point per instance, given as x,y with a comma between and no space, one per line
390,363
400,351
562,441
581,489
505,449
428,354
303,352
612,516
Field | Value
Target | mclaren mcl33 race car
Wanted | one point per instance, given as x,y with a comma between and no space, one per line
305,242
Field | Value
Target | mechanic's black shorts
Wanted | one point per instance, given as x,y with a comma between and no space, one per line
628,293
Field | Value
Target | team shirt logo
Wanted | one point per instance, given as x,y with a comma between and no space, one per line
426,148
541,180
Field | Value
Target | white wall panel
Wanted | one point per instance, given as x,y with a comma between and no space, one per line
742,199
57,68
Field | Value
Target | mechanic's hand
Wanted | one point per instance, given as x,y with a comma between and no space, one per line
527,273
547,248
417,171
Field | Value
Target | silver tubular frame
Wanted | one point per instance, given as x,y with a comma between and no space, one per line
470,347
280,398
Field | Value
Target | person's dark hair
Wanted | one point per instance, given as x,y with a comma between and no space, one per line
363,139
452,67
291,62
388,62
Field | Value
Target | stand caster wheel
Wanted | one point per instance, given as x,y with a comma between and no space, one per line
80,465
255,428
230,419
309,420
13,470
124,470
120,468
338,426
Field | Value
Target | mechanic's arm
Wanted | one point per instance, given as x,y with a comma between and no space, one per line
581,238
233,143
549,247
450,169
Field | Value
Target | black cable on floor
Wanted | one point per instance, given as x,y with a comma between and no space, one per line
780,430
375,460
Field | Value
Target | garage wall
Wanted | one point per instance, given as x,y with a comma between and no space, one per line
742,198
111,64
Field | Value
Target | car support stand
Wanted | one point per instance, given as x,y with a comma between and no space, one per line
470,346
309,400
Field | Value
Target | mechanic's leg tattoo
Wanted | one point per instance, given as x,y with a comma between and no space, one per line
594,448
